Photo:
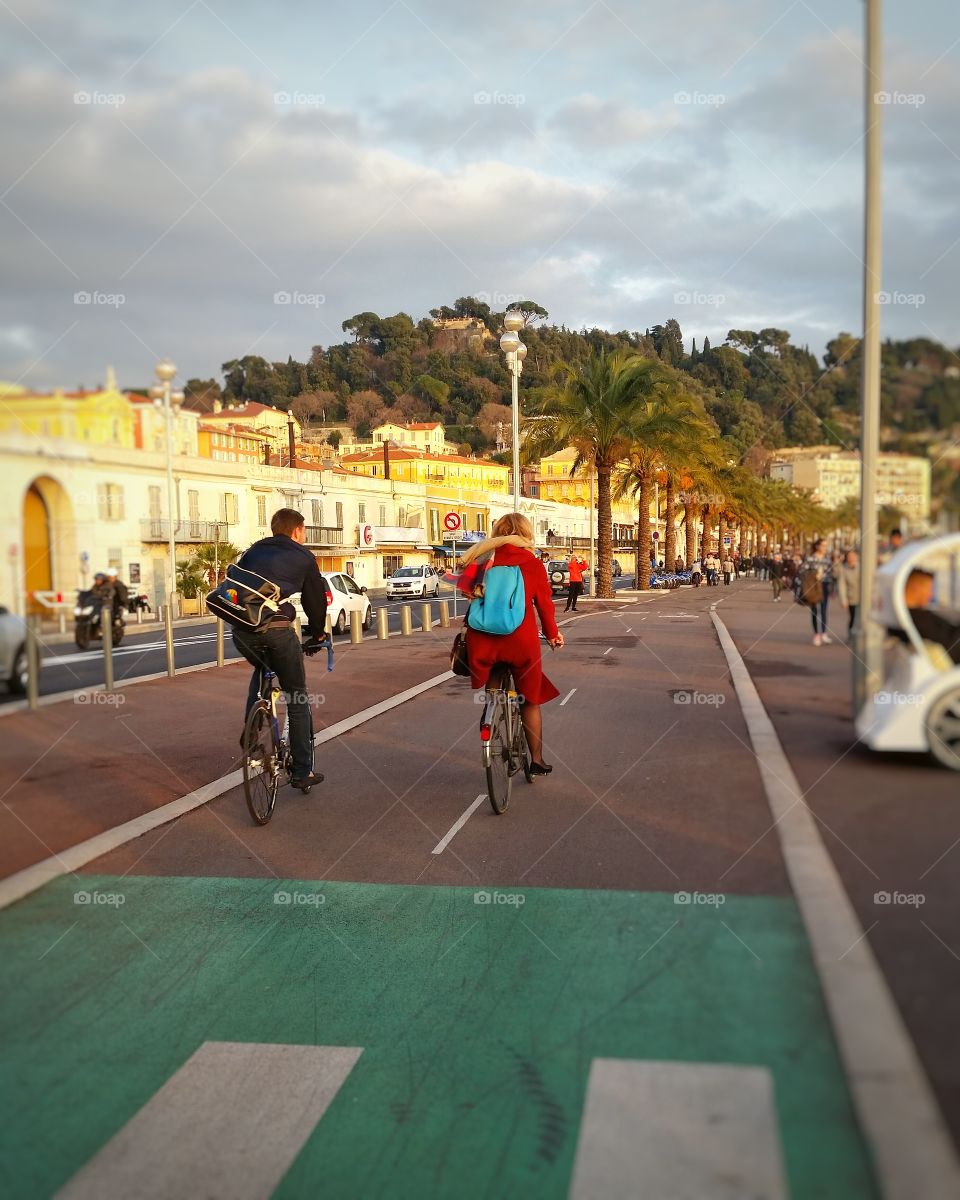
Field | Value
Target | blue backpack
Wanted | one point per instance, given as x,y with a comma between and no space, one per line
503,604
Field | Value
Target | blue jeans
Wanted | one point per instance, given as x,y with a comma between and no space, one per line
818,613
278,650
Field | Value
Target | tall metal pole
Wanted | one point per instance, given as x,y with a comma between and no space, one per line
868,644
171,541
593,537
515,391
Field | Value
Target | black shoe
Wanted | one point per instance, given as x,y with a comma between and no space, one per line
540,768
307,782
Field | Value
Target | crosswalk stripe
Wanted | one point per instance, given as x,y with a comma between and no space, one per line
228,1124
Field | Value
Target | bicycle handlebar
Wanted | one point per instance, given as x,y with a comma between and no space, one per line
313,646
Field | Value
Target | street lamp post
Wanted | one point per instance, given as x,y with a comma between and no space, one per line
515,352
868,649
163,397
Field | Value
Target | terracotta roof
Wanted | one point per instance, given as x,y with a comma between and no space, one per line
250,409
402,454
422,425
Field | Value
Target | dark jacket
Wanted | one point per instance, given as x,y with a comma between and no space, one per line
293,569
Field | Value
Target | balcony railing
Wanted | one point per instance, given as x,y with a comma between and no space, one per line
324,535
156,529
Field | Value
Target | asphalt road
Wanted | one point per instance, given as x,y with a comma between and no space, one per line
65,668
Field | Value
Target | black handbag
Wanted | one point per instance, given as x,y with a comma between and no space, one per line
459,659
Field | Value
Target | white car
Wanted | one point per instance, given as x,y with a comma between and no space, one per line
13,651
344,596
413,581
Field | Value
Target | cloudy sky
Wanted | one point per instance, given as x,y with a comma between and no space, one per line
171,173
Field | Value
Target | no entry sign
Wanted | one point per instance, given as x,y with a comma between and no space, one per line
451,521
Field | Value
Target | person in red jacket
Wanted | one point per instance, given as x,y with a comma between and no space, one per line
512,542
576,567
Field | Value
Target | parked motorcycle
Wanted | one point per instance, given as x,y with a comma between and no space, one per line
87,614
138,600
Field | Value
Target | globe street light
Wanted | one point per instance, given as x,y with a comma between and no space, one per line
515,352
166,371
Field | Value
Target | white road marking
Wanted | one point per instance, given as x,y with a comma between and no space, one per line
22,883
458,825
678,1129
567,697
607,651
911,1148
67,660
228,1124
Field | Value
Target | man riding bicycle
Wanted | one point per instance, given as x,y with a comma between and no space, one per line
284,560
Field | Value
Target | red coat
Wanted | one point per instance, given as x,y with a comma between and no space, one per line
521,649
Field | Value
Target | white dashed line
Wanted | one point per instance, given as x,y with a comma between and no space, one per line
567,697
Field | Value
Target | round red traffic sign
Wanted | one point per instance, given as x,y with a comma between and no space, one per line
451,521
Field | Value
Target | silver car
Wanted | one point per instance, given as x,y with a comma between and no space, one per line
13,651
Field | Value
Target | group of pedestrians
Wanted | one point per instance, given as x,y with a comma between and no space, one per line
711,568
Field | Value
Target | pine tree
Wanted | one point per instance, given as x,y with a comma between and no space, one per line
706,348
693,353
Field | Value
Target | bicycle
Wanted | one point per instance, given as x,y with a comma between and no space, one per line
504,745
267,756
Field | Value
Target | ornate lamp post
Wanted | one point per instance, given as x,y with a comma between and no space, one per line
170,402
515,352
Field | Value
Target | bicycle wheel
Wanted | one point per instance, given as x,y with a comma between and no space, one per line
261,768
521,751
497,755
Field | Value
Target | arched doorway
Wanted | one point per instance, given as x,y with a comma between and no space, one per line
49,538
37,564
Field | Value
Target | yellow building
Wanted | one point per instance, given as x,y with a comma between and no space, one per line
101,418
447,470
554,482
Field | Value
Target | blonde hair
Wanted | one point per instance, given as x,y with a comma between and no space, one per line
513,525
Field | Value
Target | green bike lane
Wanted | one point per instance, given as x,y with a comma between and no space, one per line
616,912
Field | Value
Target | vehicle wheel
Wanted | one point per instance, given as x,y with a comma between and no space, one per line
261,770
368,619
81,636
118,632
943,729
18,676
496,760
436,591
341,622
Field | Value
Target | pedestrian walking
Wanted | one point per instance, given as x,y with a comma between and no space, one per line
848,587
576,567
815,579
776,576
727,570
696,574
713,570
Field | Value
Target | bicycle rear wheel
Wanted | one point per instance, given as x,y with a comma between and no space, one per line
261,766
521,751
497,755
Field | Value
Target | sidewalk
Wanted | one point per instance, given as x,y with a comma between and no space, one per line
890,822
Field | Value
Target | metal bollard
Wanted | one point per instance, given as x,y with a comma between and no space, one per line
106,631
220,654
139,615
328,627
383,629
168,637
426,617
444,614
33,662
62,622
356,628
406,620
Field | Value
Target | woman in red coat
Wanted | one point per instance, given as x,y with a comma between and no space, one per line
512,543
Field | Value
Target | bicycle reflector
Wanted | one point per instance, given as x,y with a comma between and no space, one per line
484,733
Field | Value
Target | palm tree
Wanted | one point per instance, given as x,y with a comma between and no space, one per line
672,426
601,409
212,559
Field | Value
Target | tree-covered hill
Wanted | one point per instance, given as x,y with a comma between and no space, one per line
760,389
